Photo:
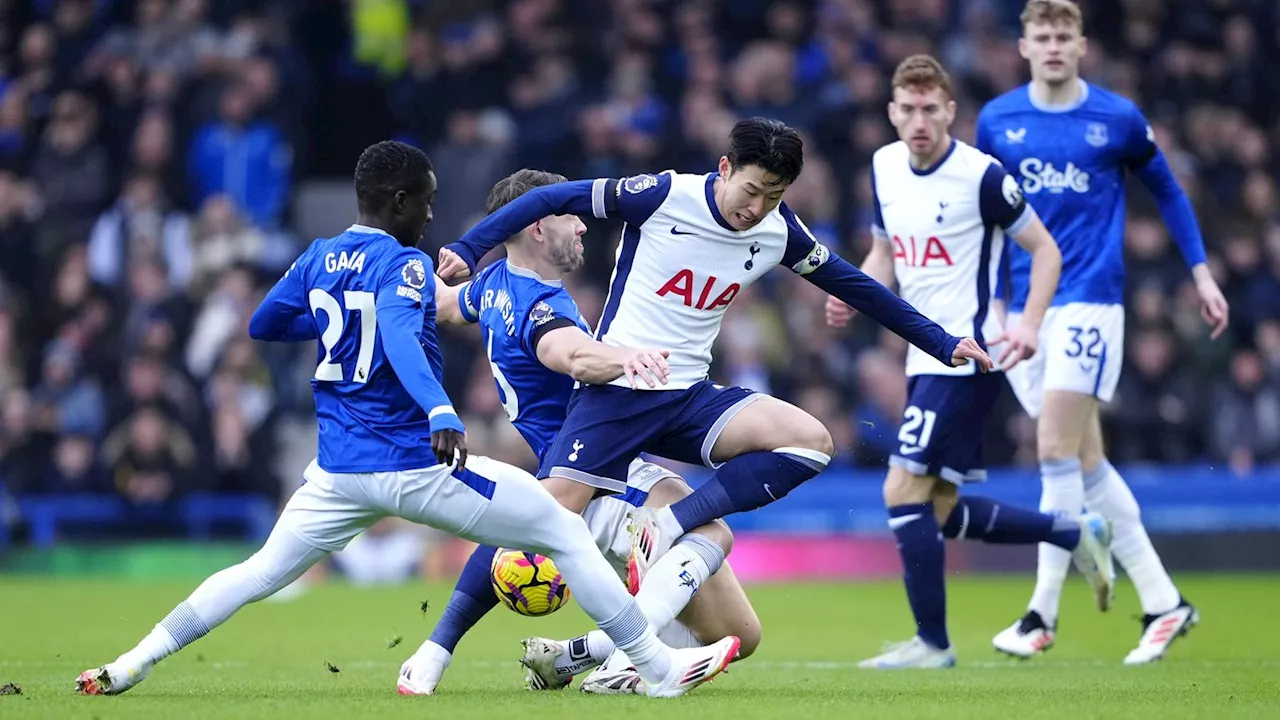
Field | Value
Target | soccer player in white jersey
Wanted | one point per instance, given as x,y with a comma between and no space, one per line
538,344
942,210
1072,144
690,243
378,400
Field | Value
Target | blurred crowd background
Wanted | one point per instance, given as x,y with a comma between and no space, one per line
152,153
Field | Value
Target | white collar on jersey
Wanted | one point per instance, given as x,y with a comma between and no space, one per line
526,272
366,230
1045,107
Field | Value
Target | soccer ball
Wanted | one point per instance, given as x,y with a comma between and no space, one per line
528,583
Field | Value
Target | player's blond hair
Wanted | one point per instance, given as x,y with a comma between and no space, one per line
1052,12
922,72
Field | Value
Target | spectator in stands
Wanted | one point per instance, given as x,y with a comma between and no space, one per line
66,401
74,467
474,155
151,458
140,226
1158,406
72,173
243,157
22,452
148,381
1246,416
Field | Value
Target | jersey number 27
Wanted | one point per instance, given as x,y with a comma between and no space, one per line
362,303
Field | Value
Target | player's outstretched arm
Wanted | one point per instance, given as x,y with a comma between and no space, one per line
400,322
1022,341
573,197
878,265
571,351
837,277
1149,164
283,315
449,305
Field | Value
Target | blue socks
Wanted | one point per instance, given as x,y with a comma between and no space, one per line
923,553
747,482
979,518
473,596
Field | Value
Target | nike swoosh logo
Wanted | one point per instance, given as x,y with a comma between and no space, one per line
674,231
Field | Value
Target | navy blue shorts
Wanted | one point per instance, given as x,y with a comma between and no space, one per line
608,426
943,425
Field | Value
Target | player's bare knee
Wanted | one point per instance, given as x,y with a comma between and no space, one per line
902,487
750,636
718,532
572,495
945,497
810,434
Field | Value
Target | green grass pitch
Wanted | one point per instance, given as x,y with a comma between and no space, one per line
270,660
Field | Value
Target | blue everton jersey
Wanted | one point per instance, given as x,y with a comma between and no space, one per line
1071,163
357,293
514,308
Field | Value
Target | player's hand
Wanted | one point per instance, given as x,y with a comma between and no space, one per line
450,445
969,349
1021,343
451,266
649,365
839,313
1213,306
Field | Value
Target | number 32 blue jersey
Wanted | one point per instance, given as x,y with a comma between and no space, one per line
1071,163
365,297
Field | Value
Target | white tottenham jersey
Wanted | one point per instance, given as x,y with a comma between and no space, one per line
680,265
947,226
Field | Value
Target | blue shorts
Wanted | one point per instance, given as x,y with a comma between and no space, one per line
608,426
943,425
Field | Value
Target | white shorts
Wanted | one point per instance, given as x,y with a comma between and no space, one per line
608,517
489,502
1081,351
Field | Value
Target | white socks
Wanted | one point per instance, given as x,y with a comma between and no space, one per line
1106,493
667,589
283,559
1062,494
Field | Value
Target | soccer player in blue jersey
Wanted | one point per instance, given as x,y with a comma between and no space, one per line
1071,144
368,295
690,243
538,345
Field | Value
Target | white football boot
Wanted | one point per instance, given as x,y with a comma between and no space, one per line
913,653
692,667
647,545
1160,631
421,673
539,661
111,679
1026,638
1092,558
617,676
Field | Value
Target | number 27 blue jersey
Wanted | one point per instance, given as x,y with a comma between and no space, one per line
356,293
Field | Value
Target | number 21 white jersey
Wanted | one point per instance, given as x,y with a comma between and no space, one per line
946,225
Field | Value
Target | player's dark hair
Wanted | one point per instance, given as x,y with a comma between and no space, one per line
772,145
518,183
387,168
